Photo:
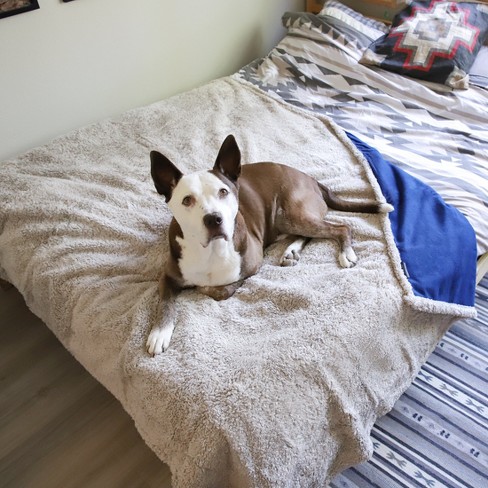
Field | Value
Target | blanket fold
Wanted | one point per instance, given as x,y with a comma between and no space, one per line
436,242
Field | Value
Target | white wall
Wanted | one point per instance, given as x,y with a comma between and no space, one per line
69,64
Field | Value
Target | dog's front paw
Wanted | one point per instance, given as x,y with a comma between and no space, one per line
158,340
290,258
348,258
220,292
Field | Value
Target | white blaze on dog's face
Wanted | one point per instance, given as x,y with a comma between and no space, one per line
205,204
205,207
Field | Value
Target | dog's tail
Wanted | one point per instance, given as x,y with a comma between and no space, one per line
336,203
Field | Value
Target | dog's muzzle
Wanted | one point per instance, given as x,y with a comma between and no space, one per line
213,220
213,223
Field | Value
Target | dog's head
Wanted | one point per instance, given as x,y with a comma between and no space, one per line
204,204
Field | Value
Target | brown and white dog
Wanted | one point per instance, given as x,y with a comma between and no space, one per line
224,218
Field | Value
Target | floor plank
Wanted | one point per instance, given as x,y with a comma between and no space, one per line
58,426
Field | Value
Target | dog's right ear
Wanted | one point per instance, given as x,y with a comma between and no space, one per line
228,160
164,174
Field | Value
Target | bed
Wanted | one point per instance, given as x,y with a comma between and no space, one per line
311,375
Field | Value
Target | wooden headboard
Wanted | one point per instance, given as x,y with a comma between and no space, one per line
314,6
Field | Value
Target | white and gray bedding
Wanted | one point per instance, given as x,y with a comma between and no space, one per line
439,137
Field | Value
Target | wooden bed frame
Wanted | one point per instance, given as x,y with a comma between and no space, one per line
314,6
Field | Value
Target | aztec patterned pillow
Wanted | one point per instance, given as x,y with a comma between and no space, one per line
432,40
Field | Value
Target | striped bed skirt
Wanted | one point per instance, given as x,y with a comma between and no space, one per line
437,433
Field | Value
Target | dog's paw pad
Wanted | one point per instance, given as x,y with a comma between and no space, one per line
290,258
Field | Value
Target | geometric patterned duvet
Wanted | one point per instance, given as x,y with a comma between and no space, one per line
439,137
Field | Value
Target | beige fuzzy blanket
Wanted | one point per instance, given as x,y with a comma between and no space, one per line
278,386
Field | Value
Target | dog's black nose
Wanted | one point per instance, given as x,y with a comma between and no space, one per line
212,220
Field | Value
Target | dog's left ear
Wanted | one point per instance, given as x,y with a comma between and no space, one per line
228,160
164,174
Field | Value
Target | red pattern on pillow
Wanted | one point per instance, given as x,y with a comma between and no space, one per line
432,40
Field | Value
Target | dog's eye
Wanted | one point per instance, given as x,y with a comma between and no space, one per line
187,201
223,192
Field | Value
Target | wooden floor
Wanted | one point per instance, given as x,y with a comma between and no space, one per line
58,426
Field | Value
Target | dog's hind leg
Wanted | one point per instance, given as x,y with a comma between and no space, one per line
342,234
309,226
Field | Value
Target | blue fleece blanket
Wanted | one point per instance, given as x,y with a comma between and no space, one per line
436,242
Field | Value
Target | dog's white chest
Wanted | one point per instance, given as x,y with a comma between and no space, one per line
215,265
